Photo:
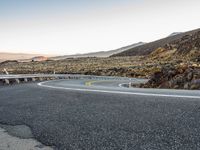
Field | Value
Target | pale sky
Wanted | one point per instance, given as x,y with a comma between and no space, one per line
78,26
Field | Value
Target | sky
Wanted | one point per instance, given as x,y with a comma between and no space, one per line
63,27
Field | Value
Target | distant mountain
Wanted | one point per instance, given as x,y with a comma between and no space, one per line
174,33
17,56
148,48
100,53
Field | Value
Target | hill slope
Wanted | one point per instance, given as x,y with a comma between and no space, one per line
101,53
150,47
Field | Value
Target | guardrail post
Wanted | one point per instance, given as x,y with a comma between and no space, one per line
33,79
17,81
7,81
1,82
25,80
129,85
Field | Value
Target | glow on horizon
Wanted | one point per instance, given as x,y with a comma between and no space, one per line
68,27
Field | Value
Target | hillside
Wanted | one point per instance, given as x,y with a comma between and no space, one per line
100,53
185,73
187,47
150,47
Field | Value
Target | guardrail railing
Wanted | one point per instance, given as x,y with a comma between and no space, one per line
11,79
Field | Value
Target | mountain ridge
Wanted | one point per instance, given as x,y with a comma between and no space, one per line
100,53
148,48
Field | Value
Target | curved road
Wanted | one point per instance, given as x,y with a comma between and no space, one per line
102,114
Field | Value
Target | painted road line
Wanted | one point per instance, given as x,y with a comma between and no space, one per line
121,85
89,83
118,92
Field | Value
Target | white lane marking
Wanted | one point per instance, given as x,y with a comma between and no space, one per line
118,92
121,85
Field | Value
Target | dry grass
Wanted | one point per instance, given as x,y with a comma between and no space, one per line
116,66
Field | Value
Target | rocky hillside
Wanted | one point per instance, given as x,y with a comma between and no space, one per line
185,73
181,77
185,48
187,45
178,39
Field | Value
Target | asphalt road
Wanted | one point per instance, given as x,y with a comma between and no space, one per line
93,114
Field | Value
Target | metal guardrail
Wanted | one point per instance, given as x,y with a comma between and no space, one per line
11,79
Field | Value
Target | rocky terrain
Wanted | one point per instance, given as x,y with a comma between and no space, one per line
181,77
185,74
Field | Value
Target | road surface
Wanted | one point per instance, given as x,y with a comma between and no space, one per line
102,114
